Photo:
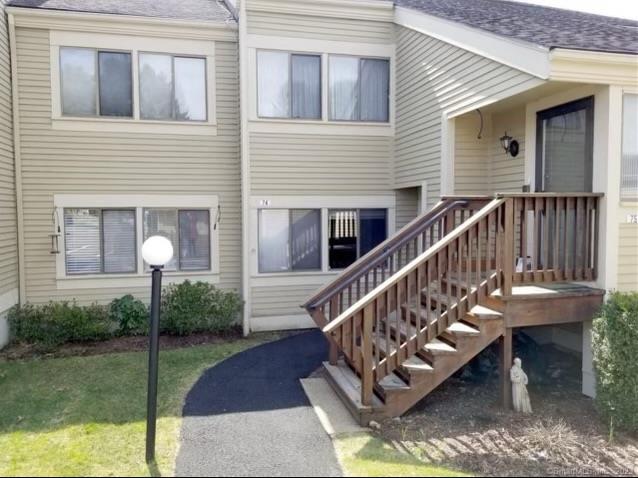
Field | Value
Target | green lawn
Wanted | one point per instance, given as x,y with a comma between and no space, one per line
85,416
363,454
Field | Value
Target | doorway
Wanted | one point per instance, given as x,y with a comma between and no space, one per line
564,147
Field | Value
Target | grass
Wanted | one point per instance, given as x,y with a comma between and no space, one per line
363,454
85,416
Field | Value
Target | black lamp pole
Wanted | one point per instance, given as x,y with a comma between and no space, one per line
153,358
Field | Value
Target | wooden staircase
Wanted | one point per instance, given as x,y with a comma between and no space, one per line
414,310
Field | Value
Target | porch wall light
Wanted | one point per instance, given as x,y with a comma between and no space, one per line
509,144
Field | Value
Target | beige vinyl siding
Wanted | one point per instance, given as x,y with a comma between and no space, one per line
407,205
61,162
8,220
433,78
628,257
282,164
271,301
471,162
481,165
507,174
320,28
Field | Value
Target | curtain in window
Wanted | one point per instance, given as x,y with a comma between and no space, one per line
79,81
344,88
273,89
194,240
116,93
342,238
306,86
82,241
190,89
119,241
274,240
163,222
375,85
156,86
306,239
629,181
373,229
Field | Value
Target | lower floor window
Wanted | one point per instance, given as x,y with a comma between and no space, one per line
352,233
103,241
289,240
100,241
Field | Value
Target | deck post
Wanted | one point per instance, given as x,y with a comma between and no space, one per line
505,363
508,248
367,373
333,354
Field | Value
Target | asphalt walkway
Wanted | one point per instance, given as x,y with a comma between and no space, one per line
249,415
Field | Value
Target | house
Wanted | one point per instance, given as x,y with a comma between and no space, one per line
278,142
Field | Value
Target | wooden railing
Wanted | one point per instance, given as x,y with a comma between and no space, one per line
390,256
384,308
554,237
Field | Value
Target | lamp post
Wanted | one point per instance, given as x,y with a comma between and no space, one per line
156,251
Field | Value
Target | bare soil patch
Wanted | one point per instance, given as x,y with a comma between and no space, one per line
462,425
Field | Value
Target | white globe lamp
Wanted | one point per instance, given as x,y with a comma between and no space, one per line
157,251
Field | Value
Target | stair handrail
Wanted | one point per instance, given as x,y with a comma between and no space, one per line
384,250
358,306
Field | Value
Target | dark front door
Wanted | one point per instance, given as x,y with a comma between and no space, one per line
564,147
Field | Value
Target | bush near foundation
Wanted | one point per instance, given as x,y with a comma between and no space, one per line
57,323
615,345
192,307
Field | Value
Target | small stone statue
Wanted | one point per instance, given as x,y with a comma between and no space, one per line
520,397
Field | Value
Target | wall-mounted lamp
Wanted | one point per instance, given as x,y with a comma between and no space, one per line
509,144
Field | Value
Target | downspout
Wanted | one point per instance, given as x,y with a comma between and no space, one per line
245,166
22,293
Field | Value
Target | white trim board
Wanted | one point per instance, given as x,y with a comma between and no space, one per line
371,10
8,300
525,57
122,24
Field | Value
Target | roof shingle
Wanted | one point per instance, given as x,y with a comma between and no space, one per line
544,26
203,10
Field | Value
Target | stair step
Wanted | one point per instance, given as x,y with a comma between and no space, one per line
348,385
393,383
416,365
485,312
462,329
438,347
384,347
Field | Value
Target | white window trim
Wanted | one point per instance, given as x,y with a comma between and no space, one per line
324,48
139,203
134,45
309,202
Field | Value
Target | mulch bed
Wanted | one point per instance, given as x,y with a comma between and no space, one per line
461,425
117,345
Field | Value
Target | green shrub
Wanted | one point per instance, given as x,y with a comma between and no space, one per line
615,343
198,307
57,323
130,314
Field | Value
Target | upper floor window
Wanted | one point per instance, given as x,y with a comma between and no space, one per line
629,170
96,82
172,87
359,88
288,85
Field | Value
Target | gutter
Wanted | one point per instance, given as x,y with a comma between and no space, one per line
17,157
